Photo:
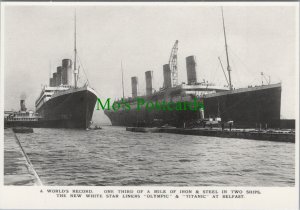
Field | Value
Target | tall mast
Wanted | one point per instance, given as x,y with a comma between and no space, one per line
75,52
223,70
228,65
122,79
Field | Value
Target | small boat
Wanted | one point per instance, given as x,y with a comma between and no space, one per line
95,128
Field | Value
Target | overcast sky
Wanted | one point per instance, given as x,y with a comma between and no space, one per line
260,39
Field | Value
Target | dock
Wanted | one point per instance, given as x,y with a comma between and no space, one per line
18,169
251,134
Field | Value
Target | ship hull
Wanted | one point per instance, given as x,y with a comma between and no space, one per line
72,109
250,107
257,107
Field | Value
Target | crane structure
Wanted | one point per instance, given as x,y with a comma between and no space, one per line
173,64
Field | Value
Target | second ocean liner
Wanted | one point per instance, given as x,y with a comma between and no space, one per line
247,107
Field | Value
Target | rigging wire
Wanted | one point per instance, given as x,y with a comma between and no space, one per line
223,70
88,82
214,78
246,69
211,65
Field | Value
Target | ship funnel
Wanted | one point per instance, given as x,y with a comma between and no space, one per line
149,76
54,79
51,82
22,105
59,76
191,70
67,73
134,84
167,76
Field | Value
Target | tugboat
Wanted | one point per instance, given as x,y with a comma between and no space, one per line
21,118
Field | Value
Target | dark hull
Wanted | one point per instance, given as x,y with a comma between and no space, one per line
247,108
71,110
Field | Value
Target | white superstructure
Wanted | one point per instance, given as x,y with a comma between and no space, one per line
47,93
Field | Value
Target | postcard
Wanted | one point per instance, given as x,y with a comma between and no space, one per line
149,105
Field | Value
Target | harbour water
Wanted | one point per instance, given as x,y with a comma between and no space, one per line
115,157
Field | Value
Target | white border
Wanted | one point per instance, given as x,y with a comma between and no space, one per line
30,197
151,3
1,97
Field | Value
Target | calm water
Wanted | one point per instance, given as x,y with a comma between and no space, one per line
115,157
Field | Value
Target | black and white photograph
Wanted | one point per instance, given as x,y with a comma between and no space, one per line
128,101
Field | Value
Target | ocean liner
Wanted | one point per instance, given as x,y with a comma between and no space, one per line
63,104
246,107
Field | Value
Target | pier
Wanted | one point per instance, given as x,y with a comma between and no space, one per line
18,169
251,134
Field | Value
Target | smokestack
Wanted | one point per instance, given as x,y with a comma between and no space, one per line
191,69
134,84
22,105
67,73
149,76
51,82
167,76
54,79
59,76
